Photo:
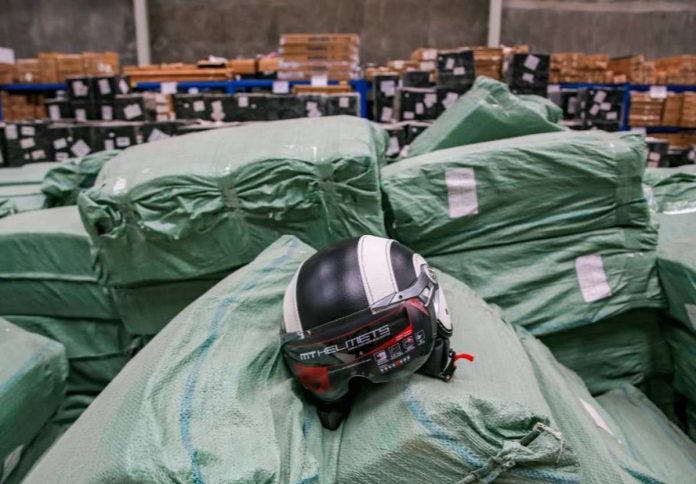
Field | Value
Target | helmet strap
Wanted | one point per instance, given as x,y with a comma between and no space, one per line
442,361
332,414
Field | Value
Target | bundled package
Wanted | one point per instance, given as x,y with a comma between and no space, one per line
673,189
487,112
20,188
33,370
219,360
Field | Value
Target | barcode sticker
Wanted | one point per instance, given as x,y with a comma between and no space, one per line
386,116
80,89
388,88
612,115
461,192
109,144
198,106
27,131
107,112
60,143
427,66
605,106
104,86
527,77
216,106
132,111
243,101
598,420
594,109
80,148
409,115
123,86
281,87
80,114
449,65
450,99
320,80
430,99
592,278
599,97
459,71
420,109
394,147
27,143
658,92
61,156
11,131
54,112
37,155
123,141
168,87
343,102
429,54
654,156
531,62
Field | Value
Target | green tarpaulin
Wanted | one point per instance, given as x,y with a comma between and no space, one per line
23,198
210,400
516,190
682,341
488,111
29,174
674,189
64,181
196,205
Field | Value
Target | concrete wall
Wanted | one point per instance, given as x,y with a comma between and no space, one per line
389,29
31,26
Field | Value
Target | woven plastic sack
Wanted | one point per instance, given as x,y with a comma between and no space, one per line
487,112
196,205
682,342
516,190
625,349
22,198
561,283
7,207
589,429
29,174
544,106
31,454
33,370
46,269
649,437
691,420
676,261
64,181
209,399
674,189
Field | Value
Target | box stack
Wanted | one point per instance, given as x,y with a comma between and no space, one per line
26,142
424,59
417,104
628,69
671,113
7,73
602,108
176,72
646,110
27,70
303,56
529,73
415,78
678,69
565,67
101,63
384,87
688,112
69,65
48,67
594,68
488,61
657,149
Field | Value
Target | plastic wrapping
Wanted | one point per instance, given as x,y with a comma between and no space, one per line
674,189
21,198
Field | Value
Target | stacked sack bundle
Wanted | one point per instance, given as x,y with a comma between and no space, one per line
48,287
209,400
20,188
33,370
168,220
553,228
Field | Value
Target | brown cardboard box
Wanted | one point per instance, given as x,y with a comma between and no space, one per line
671,113
48,67
27,70
69,65
243,66
101,63
7,73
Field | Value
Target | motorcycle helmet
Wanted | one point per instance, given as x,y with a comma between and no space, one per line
366,308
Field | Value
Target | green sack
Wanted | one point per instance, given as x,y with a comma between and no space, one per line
487,112
673,189
516,190
547,108
691,420
29,174
556,284
7,207
589,429
145,310
683,345
650,438
209,399
33,370
64,181
676,262
46,269
625,349
23,198
192,206
46,437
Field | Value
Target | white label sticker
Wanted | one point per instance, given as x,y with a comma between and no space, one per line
168,87
80,114
594,109
691,313
132,111
11,462
109,144
320,80
461,192
553,88
38,155
527,77
216,106
80,148
343,102
592,278
243,101
11,131
459,71
60,143
420,109
156,135
393,148
193,90
388,88
654,156
281,87
429,54
430,99
531,62
27,143
599,97
310,106
80,88
449,65
450,99
409,115
612,115
123,141
27,131
123,86
605,106
104,86
387,113
107,112
54,112
427,66
61,156
598,420
398,64
658,92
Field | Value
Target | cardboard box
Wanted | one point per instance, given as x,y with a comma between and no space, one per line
27,71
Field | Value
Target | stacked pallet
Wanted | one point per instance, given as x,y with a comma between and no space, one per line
176,72
628,69
646,110
306,55
52,67
679,69
671,114
488,61
688,112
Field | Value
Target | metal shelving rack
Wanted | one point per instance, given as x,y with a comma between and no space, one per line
361,86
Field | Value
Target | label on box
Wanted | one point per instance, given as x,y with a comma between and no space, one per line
123,141
599,96
11,462
393,148
429,54
598,420
216,106
388,88
11,131
109,144
123,86
450,99
409,115
80,114
430,99
459,71
572,104
592,278
320,80
156,135
80,88
61,156
658,92
192,90
611,115
420,109
527,77
27,131
7,56
343,102
461,192
60,143
27,143
104,86
605,106
311,106
427,66
386,116
553,88
594,109
654,156
449,65
243,101
80,148
132,111
217,116
168,87
531,62
38,155
107,113
54,112
398,64
281,87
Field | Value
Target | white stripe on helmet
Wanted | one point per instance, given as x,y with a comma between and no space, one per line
376,271
291,315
